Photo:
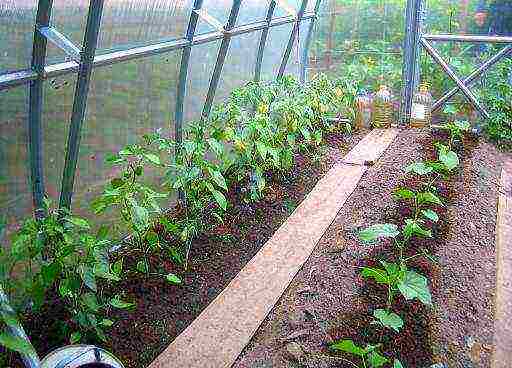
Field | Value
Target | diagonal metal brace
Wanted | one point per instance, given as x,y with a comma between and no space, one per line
473,76
211,20
442,63
61,41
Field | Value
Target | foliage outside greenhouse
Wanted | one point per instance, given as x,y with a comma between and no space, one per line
154,203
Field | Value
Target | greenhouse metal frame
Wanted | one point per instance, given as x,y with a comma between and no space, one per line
84,60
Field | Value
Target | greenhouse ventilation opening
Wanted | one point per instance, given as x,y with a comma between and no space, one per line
57,54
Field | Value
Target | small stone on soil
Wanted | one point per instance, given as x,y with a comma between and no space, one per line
295,352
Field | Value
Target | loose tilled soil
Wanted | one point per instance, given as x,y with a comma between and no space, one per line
327,300
162,311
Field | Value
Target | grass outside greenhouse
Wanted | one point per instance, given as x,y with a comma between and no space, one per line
308,219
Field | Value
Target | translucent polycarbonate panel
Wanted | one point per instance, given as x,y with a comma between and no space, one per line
57,108
125,23
15,192
239,65
125,102
287,7
137,22
455,17
253,11
202,62
276,44
17,18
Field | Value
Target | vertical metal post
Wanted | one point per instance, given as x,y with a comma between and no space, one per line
305,53
182,79
221,57
263,41
411,53
35,112
291,41
80,100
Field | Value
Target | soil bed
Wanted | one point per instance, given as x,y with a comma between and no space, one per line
328,301
162,311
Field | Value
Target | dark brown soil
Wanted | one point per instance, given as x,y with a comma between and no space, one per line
163,311
327,300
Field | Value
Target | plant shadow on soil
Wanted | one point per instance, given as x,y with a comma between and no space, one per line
413,345
163,311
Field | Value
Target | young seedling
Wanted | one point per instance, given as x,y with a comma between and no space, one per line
369,356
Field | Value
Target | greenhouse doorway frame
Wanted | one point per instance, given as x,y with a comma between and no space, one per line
83,59
415,40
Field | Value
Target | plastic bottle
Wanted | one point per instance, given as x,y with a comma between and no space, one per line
421,113
383,108
363,110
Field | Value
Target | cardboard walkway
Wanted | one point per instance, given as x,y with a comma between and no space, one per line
220,333
502,357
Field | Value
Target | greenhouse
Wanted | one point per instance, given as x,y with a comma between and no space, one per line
256,183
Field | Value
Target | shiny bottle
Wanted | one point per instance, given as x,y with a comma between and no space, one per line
383,108
363,110
421,113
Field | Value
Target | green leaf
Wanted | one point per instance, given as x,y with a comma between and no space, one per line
50,273
216,146
117,267
378,231
449,159
152,238
397,364
79,222
463,125
419,168
142,266
348,346
389,319
219,197
415,285
151,157
404,193
117,183
173,279
139,170
414,228
428,197
140,216
15,343
75,337
262,149
88,278
107,322
116,302
90,300
219,179
431,215
377,360
380,275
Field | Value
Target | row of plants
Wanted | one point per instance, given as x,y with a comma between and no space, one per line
396,274
63,259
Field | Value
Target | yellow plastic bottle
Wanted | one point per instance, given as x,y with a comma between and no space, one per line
383,108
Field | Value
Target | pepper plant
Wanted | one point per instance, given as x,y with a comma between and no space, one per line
60,257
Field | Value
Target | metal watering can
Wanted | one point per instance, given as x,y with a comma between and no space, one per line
73,356
80,356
